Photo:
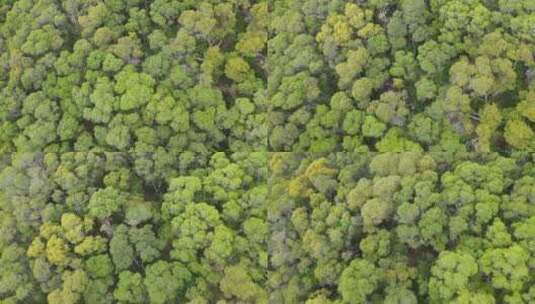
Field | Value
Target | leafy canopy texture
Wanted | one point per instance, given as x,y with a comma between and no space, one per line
255,151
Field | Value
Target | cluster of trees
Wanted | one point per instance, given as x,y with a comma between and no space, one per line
257,227
132,75
87,228
242,75
255,151
401,228
401,75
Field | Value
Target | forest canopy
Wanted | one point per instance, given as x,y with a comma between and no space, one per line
255,151
401,75
407,227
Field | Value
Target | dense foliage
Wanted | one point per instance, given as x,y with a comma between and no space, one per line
401,228
398,75
255,151
86,228
161,76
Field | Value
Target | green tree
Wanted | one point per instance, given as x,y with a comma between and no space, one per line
451,275
105,202
358,281
130,288
237,283
506,267
164,281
